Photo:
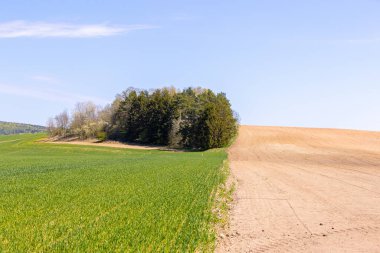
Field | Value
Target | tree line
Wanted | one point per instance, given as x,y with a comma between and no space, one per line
193,118
19,128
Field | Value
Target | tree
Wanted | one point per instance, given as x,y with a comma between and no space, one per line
62,123
160,113
221,123
207,120
86,121
195,118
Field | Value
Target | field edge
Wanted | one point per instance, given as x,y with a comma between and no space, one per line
224,199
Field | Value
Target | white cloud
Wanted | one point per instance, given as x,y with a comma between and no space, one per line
20,28
44,78
47,94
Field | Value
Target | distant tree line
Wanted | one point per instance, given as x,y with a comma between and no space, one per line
194,118
19,128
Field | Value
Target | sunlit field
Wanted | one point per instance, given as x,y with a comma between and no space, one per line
56,198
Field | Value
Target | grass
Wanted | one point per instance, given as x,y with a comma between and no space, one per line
223,199
63,198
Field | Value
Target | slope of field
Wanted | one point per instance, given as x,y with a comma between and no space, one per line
305,190
18,128
70,198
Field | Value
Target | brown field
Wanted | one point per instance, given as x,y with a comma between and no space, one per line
111,144
304,190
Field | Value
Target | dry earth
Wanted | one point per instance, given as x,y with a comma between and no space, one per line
113,144
304,190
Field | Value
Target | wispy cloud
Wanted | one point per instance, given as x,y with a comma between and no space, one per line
47,94
44,78
20,28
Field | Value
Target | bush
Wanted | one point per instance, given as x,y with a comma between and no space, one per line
101,136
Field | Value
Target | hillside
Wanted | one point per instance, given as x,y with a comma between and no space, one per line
82,198
18,128
305,190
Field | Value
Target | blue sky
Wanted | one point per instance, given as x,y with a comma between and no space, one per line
312,63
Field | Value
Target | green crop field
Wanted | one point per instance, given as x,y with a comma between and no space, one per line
66,198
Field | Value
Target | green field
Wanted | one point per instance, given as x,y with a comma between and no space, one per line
66,198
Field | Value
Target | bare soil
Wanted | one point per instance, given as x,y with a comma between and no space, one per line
113,144
304,190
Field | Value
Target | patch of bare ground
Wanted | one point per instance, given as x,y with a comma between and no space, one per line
304,190
96,142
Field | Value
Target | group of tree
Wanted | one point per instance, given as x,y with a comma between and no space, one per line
194,118
19,128
87,120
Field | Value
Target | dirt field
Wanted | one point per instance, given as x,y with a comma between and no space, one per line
304,190
113,144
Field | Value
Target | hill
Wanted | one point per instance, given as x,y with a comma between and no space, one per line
305,190
19,128
81,198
